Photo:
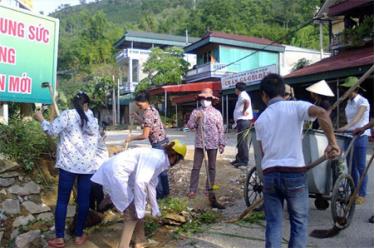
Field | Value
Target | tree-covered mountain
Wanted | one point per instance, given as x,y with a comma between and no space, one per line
88,31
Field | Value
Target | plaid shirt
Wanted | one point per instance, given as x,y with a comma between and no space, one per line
212,125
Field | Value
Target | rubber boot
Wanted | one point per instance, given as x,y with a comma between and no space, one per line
213,202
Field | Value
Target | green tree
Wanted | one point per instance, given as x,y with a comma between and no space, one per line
164,67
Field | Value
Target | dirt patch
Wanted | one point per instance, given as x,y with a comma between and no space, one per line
229,179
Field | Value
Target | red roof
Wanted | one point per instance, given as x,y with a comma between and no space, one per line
182,88
345,59
342,7
237,37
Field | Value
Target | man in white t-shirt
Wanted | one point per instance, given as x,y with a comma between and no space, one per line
279,131
243,114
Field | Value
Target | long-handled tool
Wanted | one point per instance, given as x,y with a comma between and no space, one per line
53,96
260,201
211,195
129,134
342,221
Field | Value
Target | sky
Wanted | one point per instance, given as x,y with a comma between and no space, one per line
48,6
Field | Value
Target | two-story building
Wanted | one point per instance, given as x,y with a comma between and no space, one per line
223,59
351,43
230,58
133,50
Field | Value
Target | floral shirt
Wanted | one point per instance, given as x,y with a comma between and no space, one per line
212,125
152,120
77,147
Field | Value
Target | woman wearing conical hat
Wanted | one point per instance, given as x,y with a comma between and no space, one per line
320,92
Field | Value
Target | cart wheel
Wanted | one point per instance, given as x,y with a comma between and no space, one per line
321,203
253,187
341,193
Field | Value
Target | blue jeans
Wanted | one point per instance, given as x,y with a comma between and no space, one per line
291,187
162,189
359,162
66,181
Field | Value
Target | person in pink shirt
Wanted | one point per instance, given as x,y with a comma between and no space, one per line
213,134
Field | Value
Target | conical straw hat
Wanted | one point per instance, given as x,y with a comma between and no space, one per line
321,88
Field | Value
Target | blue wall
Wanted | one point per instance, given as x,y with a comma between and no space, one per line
261,58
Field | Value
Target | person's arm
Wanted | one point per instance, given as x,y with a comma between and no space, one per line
136,117
193,120
151,191
361,130
55,127
143,136
356,119
246,104
332,150
147,121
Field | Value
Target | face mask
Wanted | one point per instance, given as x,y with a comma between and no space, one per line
205,103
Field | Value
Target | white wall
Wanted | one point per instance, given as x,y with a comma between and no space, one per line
292,54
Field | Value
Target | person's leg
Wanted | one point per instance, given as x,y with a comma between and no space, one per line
296,191
130,222
360,154
83,201
273,209
66,181
139,234
211,155
163,179
243,140
197,164
96,196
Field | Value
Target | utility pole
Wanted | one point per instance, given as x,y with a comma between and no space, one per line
113,102
321,38
118,102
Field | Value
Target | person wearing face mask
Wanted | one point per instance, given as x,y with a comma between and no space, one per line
213,129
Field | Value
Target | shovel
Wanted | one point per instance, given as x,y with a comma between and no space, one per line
52,94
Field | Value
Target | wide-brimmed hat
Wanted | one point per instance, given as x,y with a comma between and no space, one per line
321,88
351,81
207,94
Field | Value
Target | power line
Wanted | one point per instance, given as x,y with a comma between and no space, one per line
270,44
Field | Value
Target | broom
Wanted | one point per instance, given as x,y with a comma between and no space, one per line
211,188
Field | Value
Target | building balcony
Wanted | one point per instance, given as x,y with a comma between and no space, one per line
128,87
131,53
205,71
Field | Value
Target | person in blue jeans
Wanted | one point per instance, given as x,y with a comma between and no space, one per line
279,131
78,133
357,112
154,131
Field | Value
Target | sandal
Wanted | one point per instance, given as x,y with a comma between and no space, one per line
56,243
81,240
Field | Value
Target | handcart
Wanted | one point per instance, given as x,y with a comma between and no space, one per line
330,181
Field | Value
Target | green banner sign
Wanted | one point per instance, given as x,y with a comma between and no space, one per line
28,55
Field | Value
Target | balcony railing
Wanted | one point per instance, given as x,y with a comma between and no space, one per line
131,52
216,68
